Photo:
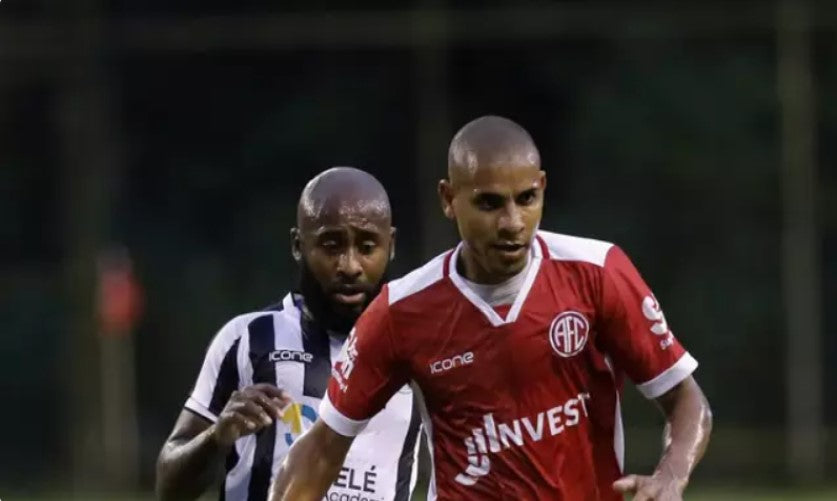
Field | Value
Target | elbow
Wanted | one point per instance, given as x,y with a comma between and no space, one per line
706,417
165,491
160,490
163,494
163,487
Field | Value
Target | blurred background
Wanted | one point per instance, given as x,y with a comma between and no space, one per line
151,155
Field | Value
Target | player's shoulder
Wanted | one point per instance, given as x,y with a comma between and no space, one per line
282,317
236,326
560,247
417,280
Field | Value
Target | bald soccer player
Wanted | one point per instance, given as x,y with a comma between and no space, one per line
516,343
266,372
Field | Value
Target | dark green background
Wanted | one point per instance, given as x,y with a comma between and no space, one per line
668,146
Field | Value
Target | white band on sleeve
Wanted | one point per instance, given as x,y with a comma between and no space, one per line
669,378
338,422
198,408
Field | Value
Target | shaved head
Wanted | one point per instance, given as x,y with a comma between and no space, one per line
343,243
494,193
490,142
339,192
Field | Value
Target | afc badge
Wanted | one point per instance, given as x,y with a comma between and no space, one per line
568,333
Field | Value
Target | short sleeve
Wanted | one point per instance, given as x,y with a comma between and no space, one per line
366,374
635,332
219,375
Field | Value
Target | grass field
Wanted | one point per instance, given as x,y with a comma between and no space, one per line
759,495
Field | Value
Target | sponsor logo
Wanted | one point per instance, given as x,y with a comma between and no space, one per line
352,478
291,356
355,484
652,311
345,363
298,418
343,496
495,437
568,333
452,362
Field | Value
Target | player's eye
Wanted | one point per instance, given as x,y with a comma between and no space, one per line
528,197
367,247
488,203
330,246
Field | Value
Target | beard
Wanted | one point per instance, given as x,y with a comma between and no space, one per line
328,313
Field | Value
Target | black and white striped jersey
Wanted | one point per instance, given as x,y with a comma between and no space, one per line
283,347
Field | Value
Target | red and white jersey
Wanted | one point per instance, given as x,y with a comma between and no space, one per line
519,402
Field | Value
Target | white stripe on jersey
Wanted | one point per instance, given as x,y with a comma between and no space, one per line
374,462
428,432
238,478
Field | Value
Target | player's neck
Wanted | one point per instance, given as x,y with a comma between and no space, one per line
470,269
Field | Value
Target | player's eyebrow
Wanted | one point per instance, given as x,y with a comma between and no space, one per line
369,233
366,229
330,232
529,191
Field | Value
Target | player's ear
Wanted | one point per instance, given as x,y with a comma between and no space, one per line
296,245
446,198
542,180
392,233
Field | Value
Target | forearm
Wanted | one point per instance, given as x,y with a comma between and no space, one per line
686,435
312,464
186,468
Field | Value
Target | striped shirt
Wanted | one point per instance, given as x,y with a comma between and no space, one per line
282,346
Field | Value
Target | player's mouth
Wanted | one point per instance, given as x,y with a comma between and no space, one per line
350,296
510,250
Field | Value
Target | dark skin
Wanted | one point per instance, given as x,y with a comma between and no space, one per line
192,455
494,193
345,238
344,233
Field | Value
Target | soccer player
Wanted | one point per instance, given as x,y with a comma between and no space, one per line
516,343
343,243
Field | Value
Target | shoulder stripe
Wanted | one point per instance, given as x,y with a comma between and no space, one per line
316,373
570,248
220,372
262,342
227,381
417,280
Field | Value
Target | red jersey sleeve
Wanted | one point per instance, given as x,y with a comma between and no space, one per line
366,374
635,333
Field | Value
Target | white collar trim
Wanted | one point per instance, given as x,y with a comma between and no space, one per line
490,313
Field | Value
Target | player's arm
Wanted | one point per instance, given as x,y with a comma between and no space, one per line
686,435
188,460
312,464
192,455
636,335
367,374
217,413
688,425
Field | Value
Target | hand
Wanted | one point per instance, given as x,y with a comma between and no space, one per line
653,488
249,410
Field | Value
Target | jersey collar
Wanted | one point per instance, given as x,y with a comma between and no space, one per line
536,255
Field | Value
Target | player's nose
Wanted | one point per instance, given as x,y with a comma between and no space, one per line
349,266
511,220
